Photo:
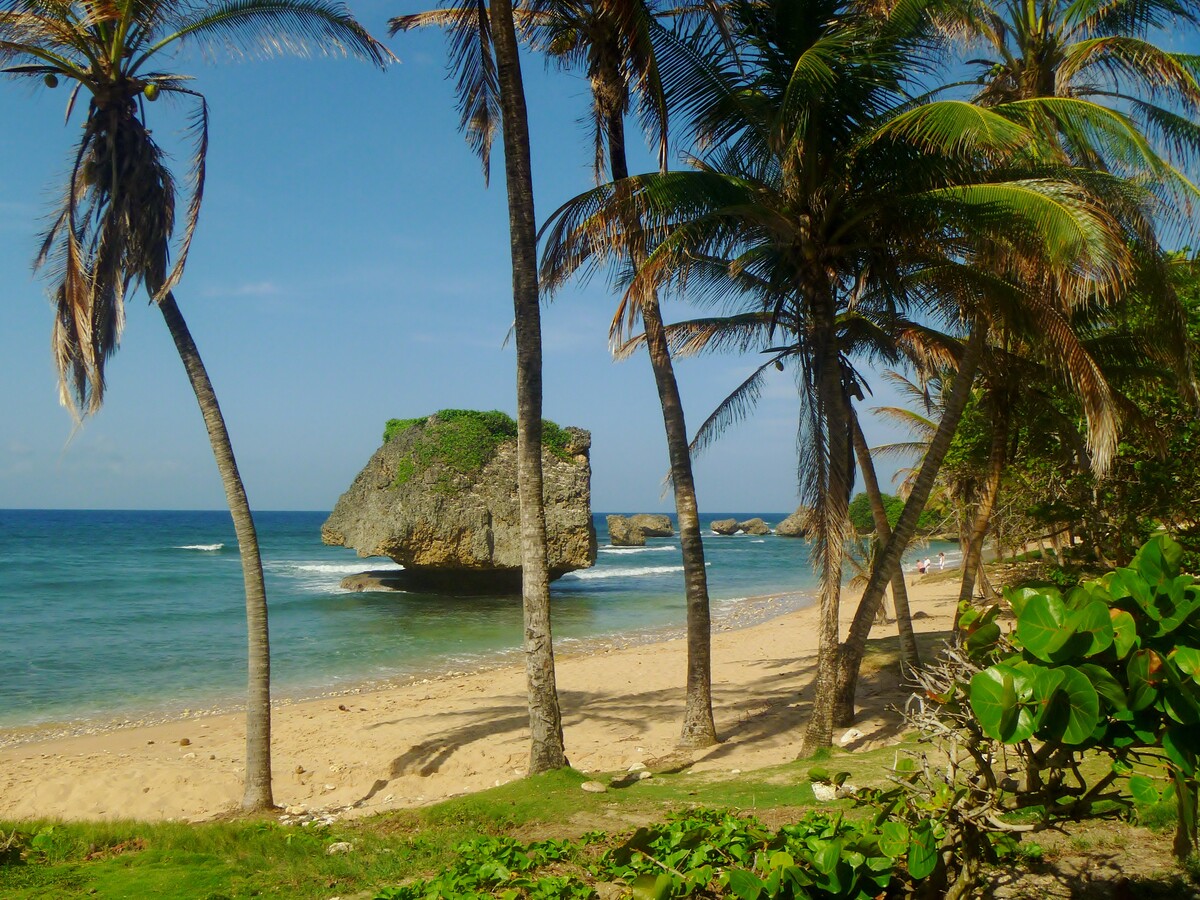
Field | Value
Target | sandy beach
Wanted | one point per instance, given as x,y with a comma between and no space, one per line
410,745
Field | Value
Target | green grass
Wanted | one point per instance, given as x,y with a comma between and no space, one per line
462,441
229,860
244,859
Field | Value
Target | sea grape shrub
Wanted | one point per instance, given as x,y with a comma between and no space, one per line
499,867
1112,667
700,853
710,852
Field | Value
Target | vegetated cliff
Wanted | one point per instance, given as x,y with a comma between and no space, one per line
440,498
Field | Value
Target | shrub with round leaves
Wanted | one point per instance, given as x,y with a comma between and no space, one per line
1113,666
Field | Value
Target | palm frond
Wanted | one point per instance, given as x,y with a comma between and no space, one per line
272,28
732,410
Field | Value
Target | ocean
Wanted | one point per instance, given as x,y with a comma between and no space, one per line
114,615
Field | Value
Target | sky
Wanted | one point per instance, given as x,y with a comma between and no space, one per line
349,267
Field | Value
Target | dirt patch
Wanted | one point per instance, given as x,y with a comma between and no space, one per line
1094,861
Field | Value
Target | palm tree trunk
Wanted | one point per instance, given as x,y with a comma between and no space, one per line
699,729
910,655
545,719
257,795
997,455
852,652
831,542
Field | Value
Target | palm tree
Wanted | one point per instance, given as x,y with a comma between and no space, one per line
861,334
613,42
821,182
113,228
1089,74
1087,78
484,54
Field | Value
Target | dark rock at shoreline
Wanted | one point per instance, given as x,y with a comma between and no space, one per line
724,526
622,532
653,524
754,526
490,582
793,525
451,529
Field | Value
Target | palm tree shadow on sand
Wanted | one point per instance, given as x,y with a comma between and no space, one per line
766,710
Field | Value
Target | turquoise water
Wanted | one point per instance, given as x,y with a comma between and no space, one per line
107,614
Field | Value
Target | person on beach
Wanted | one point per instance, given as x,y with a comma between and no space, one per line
921,567
928,564
941,560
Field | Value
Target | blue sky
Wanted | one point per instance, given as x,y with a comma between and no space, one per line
349,267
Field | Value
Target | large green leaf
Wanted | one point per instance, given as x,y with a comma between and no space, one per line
1177,600
997,696
893,839
1093,629
1018,597
1074,710
1042,626
1180,698
742,884
1125,634
1188,661
658,887
922,851
982,637
1135,586
1106,685
826,856
1159,559
1180,743
1046,683
1086,592
1143,790
1144,672
1113,586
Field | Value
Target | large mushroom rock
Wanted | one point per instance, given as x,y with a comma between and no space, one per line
754,526
793,525
623,533
440,498
653,524
724,526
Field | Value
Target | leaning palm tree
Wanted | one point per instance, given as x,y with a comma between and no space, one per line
612,42
483,54
819,179
113,228
1105,99
862,335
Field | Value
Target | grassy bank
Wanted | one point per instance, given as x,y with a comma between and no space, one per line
224,860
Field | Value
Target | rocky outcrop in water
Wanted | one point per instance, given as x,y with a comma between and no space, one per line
440,498
793,525
724,526
754,526
623,533
653,524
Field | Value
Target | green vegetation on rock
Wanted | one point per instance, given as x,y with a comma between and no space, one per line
463,441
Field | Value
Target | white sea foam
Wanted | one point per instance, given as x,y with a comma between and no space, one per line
759,541
730,601
621,551
591,574
207,547
342,568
